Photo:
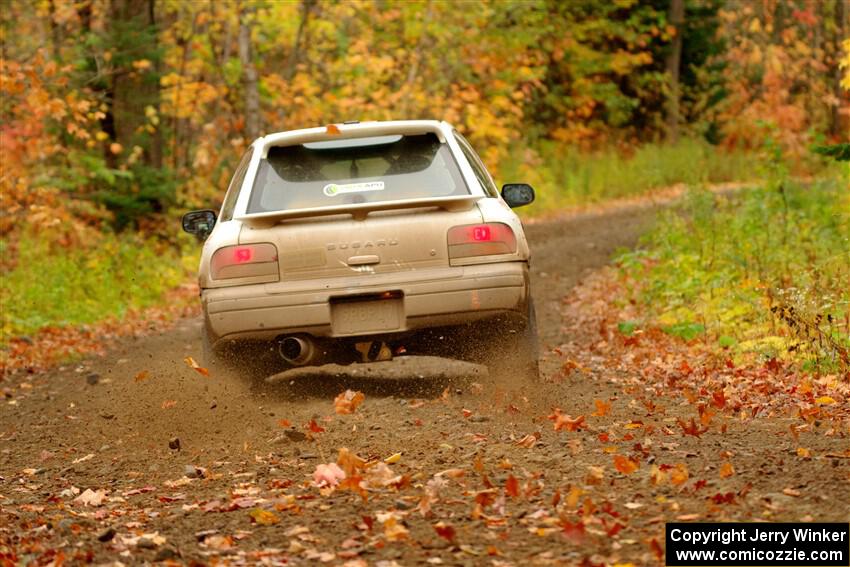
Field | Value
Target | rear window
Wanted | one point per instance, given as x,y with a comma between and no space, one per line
359,170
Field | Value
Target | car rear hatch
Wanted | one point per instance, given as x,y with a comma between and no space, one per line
358,206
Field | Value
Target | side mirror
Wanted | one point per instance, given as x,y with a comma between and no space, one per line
517,194
199,223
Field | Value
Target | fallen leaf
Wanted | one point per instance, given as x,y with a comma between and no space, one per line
284,423
824,401
348,401
394,458
691,428
143,375
804,453
791,492
332,129
679,474
602,408
445,531
263,517
328,475
625,465
565,422
574,532
314,427
393,529
91,497
191,363
726,470
169,404
529,440
512,486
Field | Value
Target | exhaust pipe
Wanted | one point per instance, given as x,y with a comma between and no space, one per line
297,351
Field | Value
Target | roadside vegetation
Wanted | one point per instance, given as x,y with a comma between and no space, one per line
760,273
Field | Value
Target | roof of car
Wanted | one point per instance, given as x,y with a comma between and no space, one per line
354,130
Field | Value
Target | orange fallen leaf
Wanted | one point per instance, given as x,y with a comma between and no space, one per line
602,408
284,423
566,423
169,404
679,475
727,470
824,401
332,129
691,428
348,401
625,465
573,497
705,415
314,427
791,492
393,529
803,452
350,462
192,363
143,375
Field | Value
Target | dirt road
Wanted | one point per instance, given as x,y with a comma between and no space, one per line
473,483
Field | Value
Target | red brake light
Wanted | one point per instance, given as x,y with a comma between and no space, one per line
481,233
242,254
481,240
244,261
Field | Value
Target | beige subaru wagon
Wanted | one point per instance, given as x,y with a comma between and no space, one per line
363,241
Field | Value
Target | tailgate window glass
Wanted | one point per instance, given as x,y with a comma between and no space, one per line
355,170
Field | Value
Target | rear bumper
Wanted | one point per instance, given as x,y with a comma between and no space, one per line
430,298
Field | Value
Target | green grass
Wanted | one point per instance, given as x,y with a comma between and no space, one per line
564,177
53,286
763,271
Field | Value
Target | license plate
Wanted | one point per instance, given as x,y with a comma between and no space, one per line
354,317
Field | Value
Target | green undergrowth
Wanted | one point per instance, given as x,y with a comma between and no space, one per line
53,286
565,178
764,271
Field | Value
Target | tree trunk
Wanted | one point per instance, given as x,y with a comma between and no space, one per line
674,60
134,89
295,55
249,78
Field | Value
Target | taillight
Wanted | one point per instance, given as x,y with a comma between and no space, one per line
244,261
481,240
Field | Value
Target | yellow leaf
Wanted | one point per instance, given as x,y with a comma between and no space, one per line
263,517
727,470
803,452
393,458
824,401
